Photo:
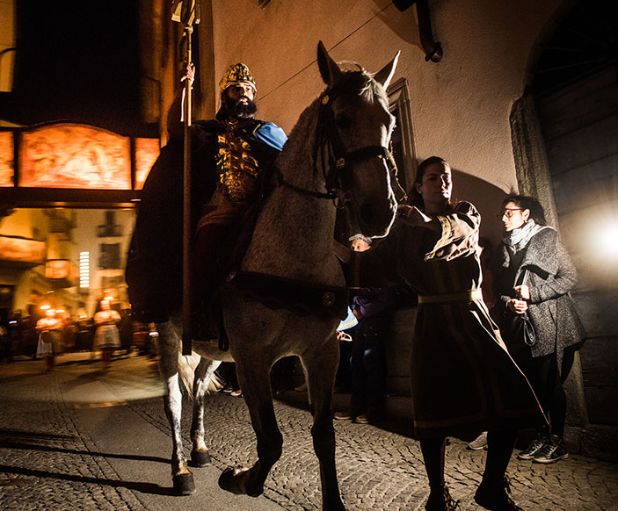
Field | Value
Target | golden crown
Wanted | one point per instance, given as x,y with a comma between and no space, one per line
237,73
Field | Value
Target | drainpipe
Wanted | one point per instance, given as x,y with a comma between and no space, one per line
433,49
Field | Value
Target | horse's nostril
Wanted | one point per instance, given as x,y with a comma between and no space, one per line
366,213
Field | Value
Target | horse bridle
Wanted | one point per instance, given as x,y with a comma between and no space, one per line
336,160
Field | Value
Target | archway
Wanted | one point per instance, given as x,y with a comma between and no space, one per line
565,133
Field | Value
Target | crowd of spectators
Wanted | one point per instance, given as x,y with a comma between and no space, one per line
19,336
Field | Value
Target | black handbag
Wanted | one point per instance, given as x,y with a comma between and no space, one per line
518,329
526,328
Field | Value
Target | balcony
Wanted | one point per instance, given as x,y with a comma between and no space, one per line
21,253
109,231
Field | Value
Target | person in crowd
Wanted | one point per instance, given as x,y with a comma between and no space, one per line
6,353
343,378
34,313
227,373
69,333
371,308
125,328
49,329
106,335
535,276
230,162
463,378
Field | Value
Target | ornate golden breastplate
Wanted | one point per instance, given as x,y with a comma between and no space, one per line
238,169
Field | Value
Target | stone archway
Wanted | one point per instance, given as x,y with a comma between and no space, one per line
564,132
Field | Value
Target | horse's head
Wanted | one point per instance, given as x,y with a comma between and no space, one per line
355,131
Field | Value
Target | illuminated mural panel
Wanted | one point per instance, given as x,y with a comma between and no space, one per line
6,158
75,156
146,152
21,250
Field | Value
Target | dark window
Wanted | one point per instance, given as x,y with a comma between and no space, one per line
110,228
402,139
109,258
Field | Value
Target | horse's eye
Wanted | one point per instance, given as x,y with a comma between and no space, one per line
343,121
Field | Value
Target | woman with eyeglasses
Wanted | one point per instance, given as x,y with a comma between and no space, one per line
463,378
534,277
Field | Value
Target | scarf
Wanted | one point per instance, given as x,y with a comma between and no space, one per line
518,239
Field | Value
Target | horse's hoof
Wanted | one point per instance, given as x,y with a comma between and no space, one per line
200,458
236,480
184,484
227,481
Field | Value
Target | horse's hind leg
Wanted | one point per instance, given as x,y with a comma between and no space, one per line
204,376
168,350
254,379
321,368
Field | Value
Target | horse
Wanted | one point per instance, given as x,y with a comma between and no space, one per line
337,156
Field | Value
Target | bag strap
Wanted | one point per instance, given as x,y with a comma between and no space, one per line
522,278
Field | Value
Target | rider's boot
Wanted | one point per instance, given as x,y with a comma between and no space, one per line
205,279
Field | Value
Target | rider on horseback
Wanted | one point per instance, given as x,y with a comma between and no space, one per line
230,157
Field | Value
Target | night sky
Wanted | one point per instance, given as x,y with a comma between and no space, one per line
76,61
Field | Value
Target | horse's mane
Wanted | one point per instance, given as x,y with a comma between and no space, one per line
298,149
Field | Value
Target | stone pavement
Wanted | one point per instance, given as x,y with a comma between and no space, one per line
79,438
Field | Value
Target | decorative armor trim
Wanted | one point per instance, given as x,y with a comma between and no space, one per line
238,168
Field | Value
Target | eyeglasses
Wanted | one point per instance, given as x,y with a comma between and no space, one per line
509,212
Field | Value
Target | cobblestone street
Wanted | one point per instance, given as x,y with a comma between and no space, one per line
79,438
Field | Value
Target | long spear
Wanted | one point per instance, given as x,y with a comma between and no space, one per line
186,12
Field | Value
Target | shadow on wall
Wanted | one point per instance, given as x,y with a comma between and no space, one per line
486,197
404,24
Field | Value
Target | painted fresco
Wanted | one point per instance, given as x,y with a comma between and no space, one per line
74,156
6,158
22,250
146,152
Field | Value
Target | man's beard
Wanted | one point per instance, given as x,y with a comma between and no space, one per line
241,110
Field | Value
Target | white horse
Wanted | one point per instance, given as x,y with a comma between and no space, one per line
336,154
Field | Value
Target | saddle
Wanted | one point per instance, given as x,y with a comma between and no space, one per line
301,297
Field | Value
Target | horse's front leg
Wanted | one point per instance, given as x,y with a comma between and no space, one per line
321,369
205,379
169,342
254,377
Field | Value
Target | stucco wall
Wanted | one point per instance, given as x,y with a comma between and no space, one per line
460,106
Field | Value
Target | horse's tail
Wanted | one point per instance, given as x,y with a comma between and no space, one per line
194,367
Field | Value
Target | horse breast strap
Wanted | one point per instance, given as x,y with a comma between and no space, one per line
304,298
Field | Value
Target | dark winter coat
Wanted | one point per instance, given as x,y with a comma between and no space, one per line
551,276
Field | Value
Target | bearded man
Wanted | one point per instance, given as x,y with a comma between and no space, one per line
230,157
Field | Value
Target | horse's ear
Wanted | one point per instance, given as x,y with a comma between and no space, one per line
385,75
328,67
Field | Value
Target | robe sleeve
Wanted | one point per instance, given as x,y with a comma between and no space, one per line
459,234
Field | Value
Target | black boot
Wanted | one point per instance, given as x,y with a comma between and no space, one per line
495,496
441,500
